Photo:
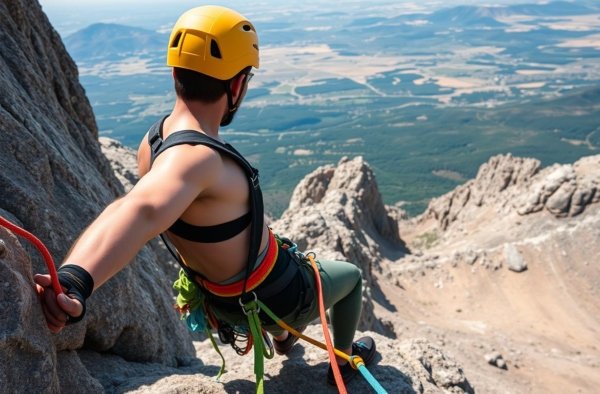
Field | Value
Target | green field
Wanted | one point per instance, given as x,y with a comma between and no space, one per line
425,96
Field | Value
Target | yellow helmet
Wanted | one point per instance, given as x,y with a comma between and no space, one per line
213,40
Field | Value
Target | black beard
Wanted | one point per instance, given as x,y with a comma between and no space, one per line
228,117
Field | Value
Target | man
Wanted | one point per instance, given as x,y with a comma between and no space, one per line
199,197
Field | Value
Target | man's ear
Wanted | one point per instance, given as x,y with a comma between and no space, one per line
237,86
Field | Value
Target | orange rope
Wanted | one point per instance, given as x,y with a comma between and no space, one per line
330,349
40,246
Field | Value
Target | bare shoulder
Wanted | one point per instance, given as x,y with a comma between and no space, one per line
143,157
190,163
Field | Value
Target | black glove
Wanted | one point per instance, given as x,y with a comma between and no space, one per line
78,283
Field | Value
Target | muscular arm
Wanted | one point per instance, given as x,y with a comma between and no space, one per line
158,199
178,177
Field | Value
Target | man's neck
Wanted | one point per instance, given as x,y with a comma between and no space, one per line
195,115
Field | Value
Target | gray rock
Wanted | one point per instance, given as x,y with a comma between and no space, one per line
496,359
564,190
434,366
338,212
25,342
495,183
416,366
74,376
54,181
514,260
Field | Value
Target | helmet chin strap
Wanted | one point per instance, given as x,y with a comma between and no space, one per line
231,107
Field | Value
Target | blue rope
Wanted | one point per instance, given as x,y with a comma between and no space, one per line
371,379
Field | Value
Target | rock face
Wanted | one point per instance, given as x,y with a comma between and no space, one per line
338,213
53,181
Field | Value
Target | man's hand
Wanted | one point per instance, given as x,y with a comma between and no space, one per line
56,309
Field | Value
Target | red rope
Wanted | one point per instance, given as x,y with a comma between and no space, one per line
40,246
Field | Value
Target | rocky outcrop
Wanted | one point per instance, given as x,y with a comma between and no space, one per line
53,181
563,190
510,184
492,186
338,213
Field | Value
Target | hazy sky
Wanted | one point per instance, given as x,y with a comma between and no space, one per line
68,16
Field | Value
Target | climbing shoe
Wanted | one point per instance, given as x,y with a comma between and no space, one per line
284,347
366,349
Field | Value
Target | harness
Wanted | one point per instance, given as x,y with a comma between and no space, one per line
192,137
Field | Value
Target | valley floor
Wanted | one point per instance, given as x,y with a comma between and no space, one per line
542,321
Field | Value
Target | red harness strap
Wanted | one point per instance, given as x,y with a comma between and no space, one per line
256,277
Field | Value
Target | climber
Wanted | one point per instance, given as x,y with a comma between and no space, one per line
200,196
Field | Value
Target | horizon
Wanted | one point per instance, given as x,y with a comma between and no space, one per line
69,16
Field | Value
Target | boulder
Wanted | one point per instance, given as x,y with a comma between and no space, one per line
514,260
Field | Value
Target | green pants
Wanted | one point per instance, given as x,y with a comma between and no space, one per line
342,294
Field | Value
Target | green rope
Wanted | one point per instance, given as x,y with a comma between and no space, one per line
190,303
251,310
216,347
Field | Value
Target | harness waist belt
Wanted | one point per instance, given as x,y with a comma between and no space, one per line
254,280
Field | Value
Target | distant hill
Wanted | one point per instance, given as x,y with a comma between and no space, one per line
468,16
108,40
554,8
486,15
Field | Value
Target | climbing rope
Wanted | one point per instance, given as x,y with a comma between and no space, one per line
40,247
334,365
355,361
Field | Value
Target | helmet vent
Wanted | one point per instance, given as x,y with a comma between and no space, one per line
175,42
214,50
